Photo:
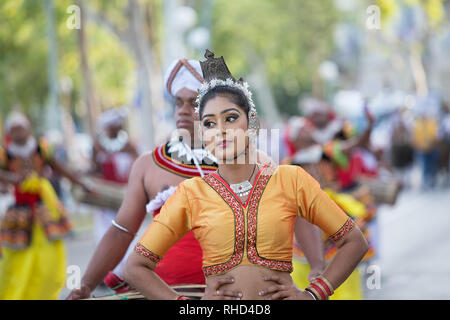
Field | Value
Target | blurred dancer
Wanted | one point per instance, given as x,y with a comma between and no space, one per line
33,265
324,145
113,155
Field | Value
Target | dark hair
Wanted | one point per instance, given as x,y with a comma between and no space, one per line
236,96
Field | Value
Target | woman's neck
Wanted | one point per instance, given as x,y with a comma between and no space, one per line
238,171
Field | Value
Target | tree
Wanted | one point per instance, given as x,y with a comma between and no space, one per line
290,37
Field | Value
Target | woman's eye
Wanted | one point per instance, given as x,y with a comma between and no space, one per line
208,124
232,118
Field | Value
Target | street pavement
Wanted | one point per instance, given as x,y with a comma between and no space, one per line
414,246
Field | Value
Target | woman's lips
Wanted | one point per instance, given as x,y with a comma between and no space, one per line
223,143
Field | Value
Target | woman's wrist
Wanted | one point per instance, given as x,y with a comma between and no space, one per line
312,294
321,288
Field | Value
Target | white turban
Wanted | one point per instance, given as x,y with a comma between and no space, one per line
111,117
16,118
181,74
312,105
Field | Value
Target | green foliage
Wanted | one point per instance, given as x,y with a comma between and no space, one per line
24,49
291,37
23,53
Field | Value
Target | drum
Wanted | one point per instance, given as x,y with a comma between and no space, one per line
383,191
106,194
192,291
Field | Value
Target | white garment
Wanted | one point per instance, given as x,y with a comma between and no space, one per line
158,201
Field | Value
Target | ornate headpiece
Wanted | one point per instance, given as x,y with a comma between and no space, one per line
216,74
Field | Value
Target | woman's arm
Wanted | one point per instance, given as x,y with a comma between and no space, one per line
139,273
351,249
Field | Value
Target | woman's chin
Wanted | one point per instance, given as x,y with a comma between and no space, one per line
226,156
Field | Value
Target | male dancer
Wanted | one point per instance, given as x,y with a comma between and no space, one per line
153,177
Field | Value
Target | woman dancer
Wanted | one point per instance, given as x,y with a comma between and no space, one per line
245,228
33,266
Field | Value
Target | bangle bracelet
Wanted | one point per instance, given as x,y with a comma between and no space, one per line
321,288
118,226
312,294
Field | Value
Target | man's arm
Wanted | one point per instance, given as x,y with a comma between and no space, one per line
115,242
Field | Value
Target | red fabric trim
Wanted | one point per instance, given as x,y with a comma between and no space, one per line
348,226
252,252
239,220
146,253
227,186
188,171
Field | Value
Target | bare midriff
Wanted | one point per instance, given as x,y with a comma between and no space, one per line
248,279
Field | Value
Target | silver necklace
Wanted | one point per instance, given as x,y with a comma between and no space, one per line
241,189
116,144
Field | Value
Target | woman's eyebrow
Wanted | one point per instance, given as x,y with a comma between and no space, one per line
230,109
222,112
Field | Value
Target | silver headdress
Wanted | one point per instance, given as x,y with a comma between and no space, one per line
216,74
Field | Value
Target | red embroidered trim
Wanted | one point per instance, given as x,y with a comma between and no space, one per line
348,226
252,253
139,248
239,220
183,298
237,207
167,163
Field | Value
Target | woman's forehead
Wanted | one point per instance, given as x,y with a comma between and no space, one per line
218,104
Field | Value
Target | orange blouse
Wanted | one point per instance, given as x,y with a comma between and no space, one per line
231,233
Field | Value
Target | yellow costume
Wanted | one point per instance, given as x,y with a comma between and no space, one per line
231,233
33,264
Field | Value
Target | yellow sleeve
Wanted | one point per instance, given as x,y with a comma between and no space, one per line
318,208
170,225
